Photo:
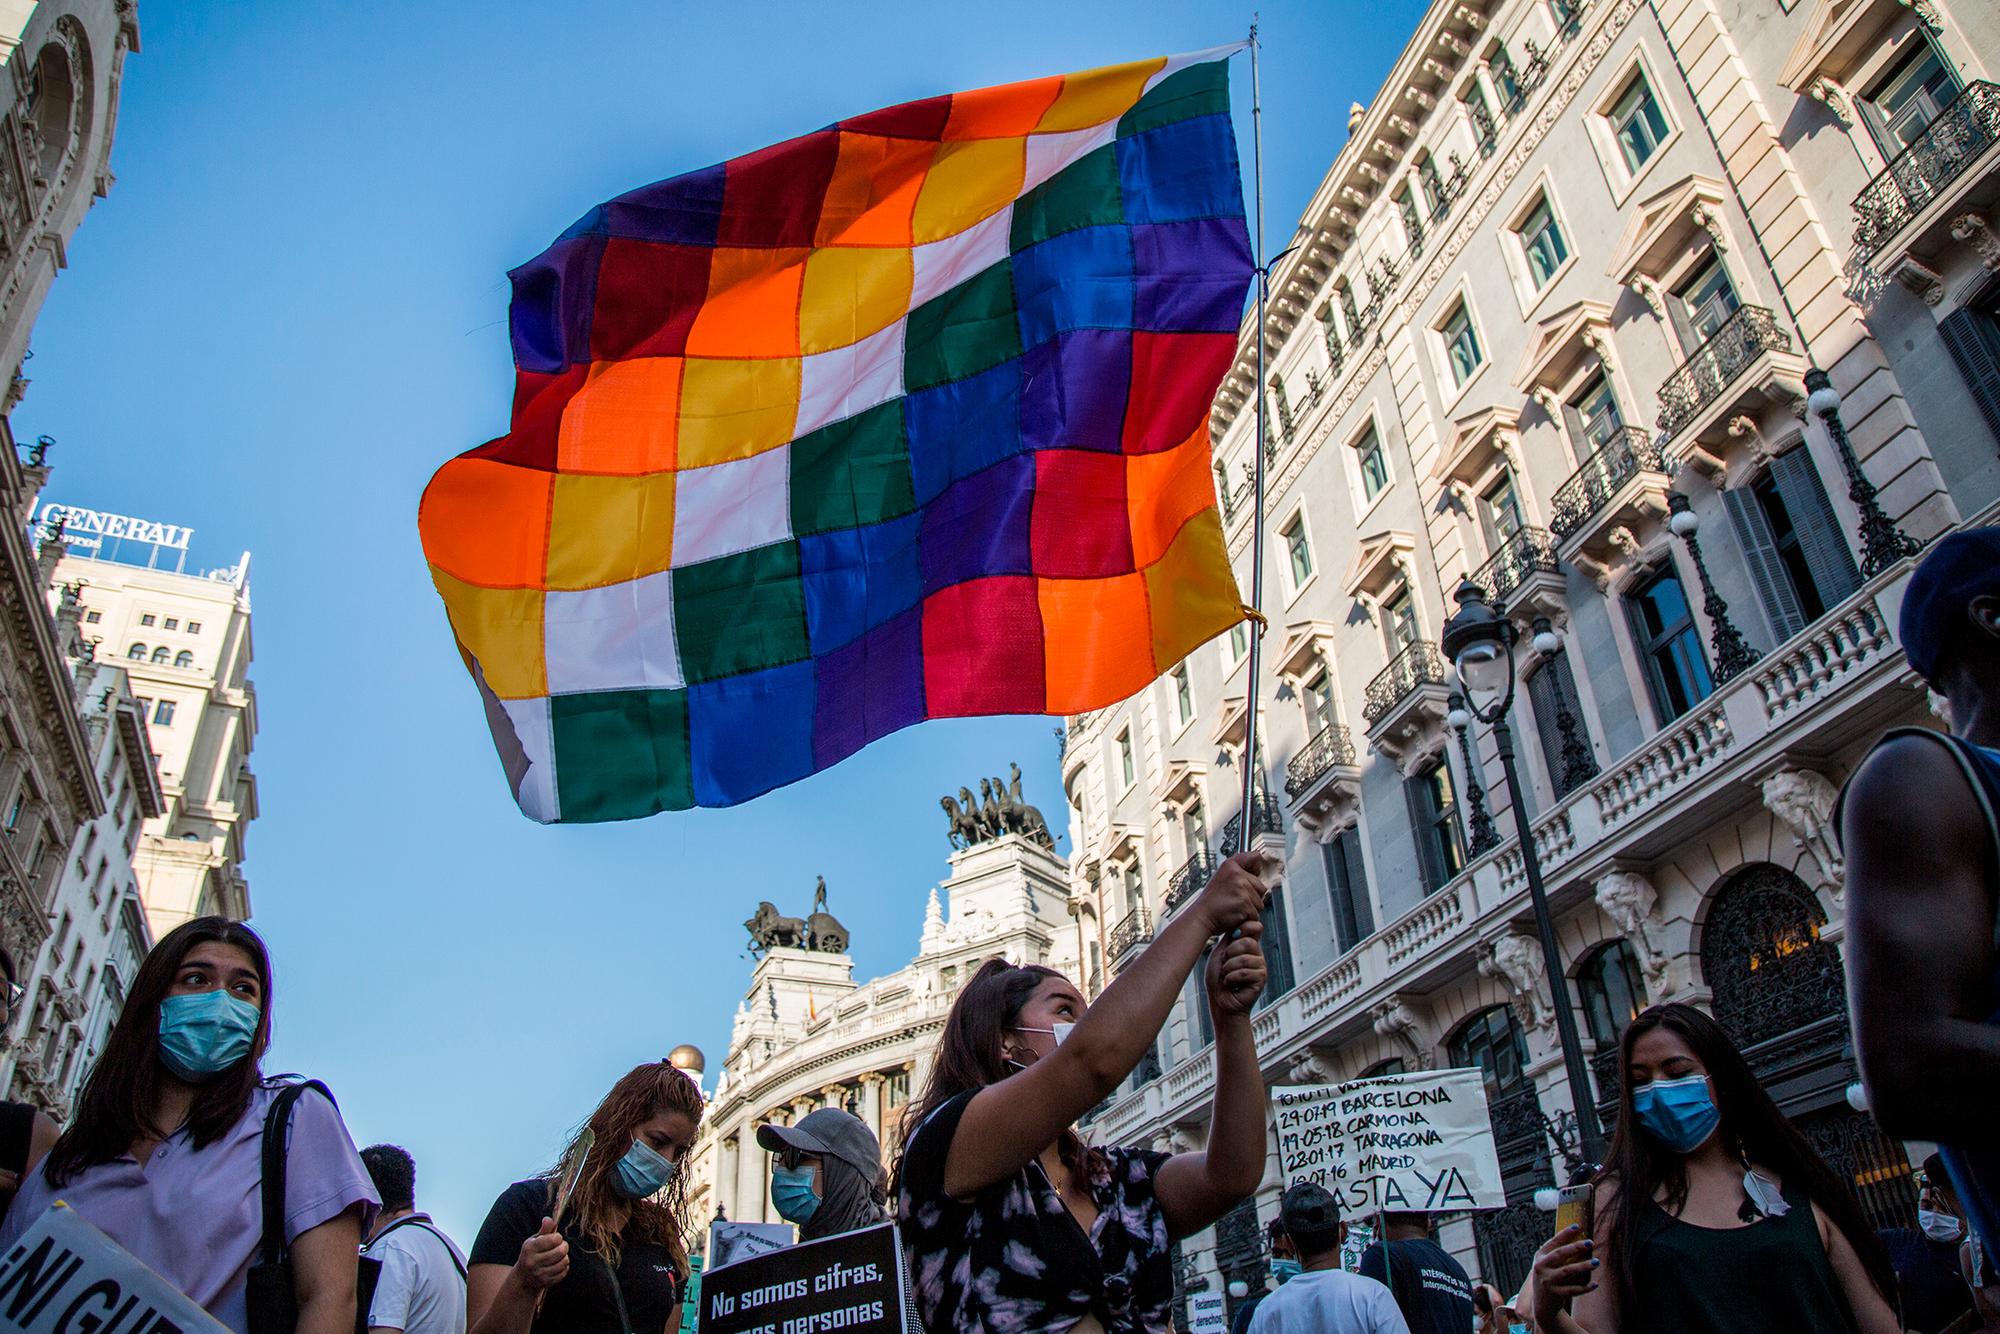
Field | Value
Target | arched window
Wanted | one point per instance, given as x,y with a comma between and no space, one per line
1762,956
136,653
161,653
184,659
1393,1066
1613,990
1492,1041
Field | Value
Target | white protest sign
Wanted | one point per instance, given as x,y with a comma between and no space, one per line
63,1274
1207,1313
729,1242
1418,1142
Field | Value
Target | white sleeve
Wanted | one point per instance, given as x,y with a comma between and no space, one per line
1385,1316
398,1284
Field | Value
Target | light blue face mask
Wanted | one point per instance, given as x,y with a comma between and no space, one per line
204,1033
644,1171
1285,1270
1677,1112
793,1194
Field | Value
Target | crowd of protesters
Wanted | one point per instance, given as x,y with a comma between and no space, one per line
1713,1214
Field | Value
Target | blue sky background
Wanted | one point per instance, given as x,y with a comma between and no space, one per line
291,308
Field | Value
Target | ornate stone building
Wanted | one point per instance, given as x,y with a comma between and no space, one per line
1574,273
807,1035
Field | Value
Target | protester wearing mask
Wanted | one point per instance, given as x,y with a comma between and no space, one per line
611,1258
165,1153
26,1133
1493,1313
1925,1258
1284,1266
826,1173
1324,1298
1010,1221
1714,1216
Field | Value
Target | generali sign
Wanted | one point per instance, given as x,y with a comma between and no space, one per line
80,526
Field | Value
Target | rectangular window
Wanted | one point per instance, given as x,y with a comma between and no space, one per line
173,623
1427,172
1905,102
1399,623
1239,643
92,617
1373,462
1595,417
1461,343
1506,78
163,712
1135,886
1413,223
1347,882
1183,694
1481,116
1706,300
1500,512
1676,668
1298,552
1277,944
147,619
194,627
1552,690
1126,769
1971,336
1194,829
1797,555
1637,123
1434,820
1542,242
1319,703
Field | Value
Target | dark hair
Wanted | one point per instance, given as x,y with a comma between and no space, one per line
1275,1229
1752,1127
394,1173
968,1053
116,1106
1482,1299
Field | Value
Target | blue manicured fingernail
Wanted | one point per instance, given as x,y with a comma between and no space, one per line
1593,1263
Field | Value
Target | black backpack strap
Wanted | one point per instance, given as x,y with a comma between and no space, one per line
427,1225
277,1125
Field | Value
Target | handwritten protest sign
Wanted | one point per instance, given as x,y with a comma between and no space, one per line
1207,1313
63,1274
1412,1142
730,1242
851,1283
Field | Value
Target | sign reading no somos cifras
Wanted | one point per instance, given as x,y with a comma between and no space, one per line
849,1284
1405,1143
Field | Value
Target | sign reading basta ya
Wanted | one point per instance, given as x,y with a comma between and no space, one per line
1402,1143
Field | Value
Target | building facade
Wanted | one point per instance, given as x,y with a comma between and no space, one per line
1576,269
183,639
807,1035
75,988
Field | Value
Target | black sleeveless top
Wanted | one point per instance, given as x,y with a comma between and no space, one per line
1767,1277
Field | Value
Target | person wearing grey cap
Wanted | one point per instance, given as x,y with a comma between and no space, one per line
1920,825
826,1173
1324,1298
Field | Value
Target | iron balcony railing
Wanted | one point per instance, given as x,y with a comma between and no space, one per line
1742,338
1529,551
1418,665
1960,134
1133,930
1328,746
1187,882
1629,452
1265,818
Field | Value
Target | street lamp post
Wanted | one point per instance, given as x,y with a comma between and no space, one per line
1480,643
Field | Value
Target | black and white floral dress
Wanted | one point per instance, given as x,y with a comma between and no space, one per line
1013,1259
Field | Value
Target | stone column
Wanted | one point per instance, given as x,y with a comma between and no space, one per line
751,1175
871,1102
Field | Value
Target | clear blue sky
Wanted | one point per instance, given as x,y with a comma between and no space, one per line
291,308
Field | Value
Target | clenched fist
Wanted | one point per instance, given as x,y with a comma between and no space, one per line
544,1259
1236,894
1236,975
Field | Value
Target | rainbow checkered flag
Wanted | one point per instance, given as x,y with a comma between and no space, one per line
902,419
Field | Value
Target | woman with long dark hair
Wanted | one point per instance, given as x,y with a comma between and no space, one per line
165,1152
613,1256
1010,1220
1714,1215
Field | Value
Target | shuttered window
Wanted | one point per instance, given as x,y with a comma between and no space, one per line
1972,337
1277,945
1434,822
1797,555
1552,690
1347,883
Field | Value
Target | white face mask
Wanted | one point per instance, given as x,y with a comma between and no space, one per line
1058,1031
1940,1227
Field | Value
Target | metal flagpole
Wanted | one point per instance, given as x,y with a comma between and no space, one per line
1257,458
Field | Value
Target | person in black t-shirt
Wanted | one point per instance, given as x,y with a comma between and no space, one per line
612,1257
25,1133
1433,1290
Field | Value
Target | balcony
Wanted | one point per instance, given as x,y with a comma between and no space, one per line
1134,929
1323,781
1523,556
1744,365
1415,667
1625,474
1265,818
1188,881
1910,202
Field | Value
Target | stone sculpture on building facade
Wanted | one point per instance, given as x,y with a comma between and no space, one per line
997,811
820,932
